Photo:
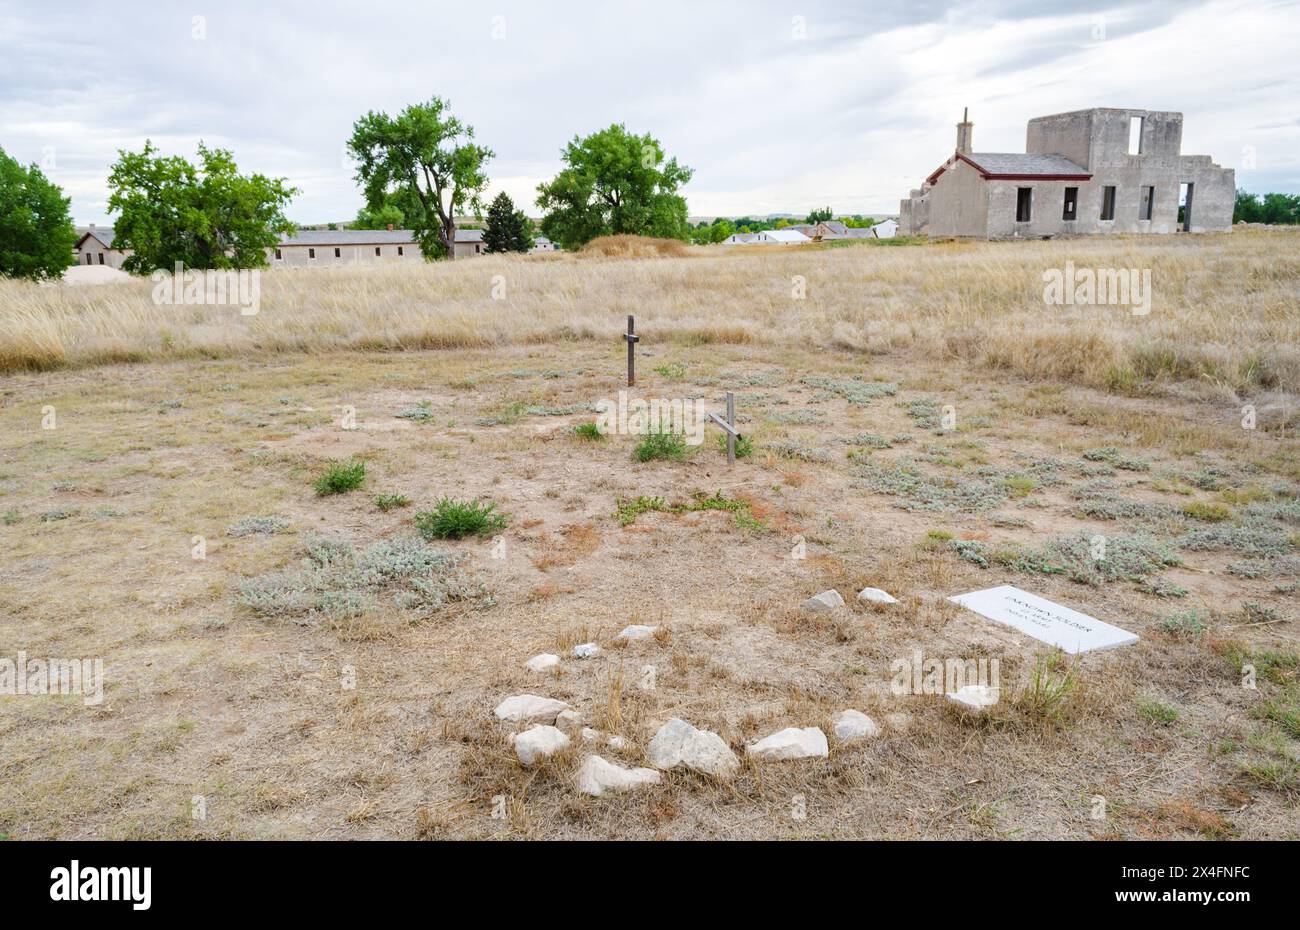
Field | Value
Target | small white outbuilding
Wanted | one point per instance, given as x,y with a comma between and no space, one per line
782,237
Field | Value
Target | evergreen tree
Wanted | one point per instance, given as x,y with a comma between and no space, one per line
508,230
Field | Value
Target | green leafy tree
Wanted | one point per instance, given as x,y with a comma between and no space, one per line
1247,209
614,182
36,232
820,216
747,224
426,161
387,214
1277,209
209,216
721,230
508,230
1282,209
712,233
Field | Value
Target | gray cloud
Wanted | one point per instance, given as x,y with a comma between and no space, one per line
853,114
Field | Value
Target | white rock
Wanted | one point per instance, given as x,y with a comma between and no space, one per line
568,719
538,743
876,596
826,602
679,743
617,742
542,663
589,735
853,725
527,708
636,632
598,776
974,698
586,651
791,743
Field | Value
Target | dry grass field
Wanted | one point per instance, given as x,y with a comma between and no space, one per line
324,672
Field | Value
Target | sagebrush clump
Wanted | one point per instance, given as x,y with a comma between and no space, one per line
1093,560
258,526
334,582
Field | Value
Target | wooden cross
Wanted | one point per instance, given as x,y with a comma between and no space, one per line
632,339
729,426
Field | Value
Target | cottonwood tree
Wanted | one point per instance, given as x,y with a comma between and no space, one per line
614,182
388,214
508,230
712,233
428,159
399,208
209,216
820,216
1281,209
36,232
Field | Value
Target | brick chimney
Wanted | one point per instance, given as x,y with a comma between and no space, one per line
964,133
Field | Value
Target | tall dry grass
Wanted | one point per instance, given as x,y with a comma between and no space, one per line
1225,311
635,247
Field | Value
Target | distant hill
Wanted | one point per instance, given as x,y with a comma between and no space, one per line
793,217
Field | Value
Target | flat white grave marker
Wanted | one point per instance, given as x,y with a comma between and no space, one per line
1040,618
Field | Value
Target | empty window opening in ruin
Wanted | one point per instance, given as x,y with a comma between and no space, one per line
1024,204
1071,204
1148,203
1135,126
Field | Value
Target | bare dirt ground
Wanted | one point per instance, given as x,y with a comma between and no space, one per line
79,275
375,720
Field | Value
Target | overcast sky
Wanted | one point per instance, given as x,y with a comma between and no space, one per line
778,106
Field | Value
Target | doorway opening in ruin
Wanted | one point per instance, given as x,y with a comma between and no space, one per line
1185,206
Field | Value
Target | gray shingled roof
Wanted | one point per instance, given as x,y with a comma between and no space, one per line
103,233
328,237
1021,163
321,237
